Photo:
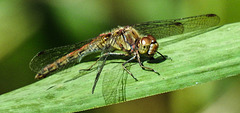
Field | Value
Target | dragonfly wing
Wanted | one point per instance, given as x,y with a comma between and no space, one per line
46,57
165,28
114,85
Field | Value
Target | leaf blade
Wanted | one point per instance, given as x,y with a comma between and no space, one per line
210,56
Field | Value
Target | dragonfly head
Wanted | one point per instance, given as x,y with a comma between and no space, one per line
148,45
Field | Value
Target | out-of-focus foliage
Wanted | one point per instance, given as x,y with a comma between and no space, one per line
17,24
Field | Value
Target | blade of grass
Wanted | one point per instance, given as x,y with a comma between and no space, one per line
203,58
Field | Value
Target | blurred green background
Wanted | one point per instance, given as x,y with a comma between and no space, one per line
30,26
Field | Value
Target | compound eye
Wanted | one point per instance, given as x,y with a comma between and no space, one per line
145,41
153,40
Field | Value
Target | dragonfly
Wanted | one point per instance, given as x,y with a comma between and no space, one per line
134,40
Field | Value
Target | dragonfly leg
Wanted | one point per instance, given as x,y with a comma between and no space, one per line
90,66
144,67
165,58
106,54
162,55
124,67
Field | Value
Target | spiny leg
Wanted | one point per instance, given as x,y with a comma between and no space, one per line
88,69
100,67
162,55
165,58
106,54
124,67
144,67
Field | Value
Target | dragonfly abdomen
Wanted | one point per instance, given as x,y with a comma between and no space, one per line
95,45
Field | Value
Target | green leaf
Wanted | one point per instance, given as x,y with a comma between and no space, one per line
199,59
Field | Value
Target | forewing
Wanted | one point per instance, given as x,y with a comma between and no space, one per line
46,57
165,28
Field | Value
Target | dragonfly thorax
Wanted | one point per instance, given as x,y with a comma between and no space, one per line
148,45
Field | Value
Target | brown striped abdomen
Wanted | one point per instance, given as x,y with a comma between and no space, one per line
95,45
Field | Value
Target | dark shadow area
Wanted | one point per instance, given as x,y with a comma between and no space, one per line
93,57
83,72
159,59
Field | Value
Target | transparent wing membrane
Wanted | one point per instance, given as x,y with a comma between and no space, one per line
165,28
43,58
114,86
